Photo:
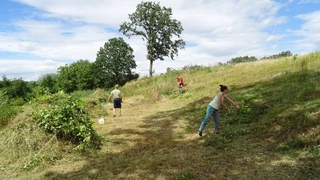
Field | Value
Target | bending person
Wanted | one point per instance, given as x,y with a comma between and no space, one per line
213,109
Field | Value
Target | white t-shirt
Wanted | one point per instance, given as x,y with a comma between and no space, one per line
215,102
116,93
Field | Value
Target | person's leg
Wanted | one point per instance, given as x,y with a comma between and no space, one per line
216,116
120,106
206,119
114,107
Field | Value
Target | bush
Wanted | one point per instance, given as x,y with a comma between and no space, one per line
18,102
7,112
69,120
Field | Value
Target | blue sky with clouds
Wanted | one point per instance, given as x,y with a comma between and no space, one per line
37,37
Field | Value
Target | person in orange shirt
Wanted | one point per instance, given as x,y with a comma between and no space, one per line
180,83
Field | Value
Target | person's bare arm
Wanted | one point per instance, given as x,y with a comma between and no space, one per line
230,100
221,101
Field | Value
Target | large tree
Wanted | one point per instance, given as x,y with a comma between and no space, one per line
75,76
114,64
156,26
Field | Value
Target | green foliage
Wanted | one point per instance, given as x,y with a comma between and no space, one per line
114,64
43,96
236,132
82,94
36,160
3,97
283,109
279,55
283,147
156,26
186,176
6,111
243,59
75,76
49,82
15,88
69,120
219,142
18,102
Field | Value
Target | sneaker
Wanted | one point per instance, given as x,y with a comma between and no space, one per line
200,133
217,132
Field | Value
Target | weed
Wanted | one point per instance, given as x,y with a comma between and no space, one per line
187,129
219,142
185,176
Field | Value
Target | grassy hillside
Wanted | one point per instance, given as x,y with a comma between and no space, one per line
275,134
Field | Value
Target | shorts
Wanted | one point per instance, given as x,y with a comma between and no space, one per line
117,103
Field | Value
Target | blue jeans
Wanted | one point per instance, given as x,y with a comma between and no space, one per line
211,113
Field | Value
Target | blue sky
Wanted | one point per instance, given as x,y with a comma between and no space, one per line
37,37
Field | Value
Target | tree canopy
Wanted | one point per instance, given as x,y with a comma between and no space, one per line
156,26
241,59
114,64
75,76
15,88
48,81
279,55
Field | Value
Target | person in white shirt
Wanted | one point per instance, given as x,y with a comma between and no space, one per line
117,99
213,109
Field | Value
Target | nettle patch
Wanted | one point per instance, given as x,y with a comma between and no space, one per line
69,120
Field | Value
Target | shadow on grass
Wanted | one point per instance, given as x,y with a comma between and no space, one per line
248,147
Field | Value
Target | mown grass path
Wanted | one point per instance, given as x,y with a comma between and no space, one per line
151,141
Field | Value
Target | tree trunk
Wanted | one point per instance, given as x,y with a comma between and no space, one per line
150,68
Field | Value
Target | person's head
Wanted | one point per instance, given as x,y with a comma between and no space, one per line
116,86
223,88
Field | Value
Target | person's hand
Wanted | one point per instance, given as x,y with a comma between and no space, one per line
237,106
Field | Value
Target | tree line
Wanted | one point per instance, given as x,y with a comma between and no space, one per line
242,59
115,61
114,65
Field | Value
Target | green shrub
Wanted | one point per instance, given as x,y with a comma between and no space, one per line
18,102
82,93
69,120
7,112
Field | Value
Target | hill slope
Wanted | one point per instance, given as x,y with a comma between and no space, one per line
275,135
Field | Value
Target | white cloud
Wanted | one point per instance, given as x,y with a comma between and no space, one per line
75,29
310,31
274,37
308,1
29,69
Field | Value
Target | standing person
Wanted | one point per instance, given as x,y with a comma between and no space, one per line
117,99
213,109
